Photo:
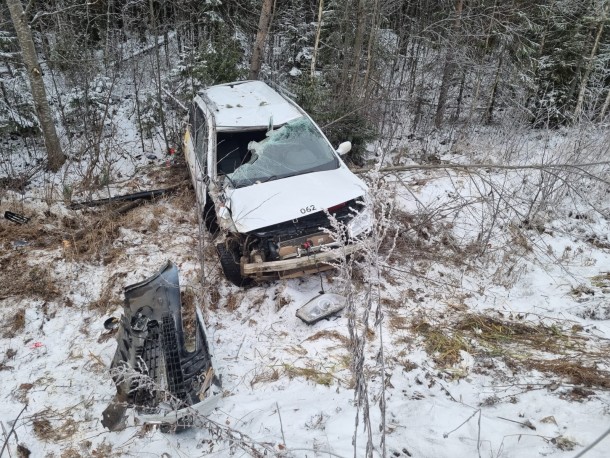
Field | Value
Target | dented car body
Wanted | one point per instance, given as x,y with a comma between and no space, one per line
167,377
267,180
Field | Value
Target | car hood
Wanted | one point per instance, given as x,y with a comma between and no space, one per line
273,202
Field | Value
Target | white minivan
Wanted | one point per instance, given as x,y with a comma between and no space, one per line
267,181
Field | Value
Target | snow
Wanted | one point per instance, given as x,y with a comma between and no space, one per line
249,104
262,350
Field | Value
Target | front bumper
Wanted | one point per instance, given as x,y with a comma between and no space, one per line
298,266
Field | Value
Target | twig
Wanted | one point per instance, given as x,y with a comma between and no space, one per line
12,430
176,101
6,436
406,168
527,425
281,425
479,435
446,435
240,345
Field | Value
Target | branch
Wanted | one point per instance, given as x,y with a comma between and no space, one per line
543,167
39,15
8,436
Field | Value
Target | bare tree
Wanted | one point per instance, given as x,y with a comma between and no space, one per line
589,67
448,69
55,154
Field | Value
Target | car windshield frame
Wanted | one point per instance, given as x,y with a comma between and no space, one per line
295,148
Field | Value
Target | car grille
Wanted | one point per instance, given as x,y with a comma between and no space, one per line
307,225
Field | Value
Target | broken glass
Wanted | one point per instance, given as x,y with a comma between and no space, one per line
294,149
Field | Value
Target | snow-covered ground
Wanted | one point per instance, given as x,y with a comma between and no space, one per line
498,354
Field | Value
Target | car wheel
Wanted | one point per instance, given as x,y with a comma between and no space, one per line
209,217
229,261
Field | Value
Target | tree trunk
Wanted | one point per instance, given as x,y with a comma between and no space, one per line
602,113
317,40
489,110
55,155
585,78
369,51
358,40
155,30
263,27
448,69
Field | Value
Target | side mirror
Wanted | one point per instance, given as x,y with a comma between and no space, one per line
344,148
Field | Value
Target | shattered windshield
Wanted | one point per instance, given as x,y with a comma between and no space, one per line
294,149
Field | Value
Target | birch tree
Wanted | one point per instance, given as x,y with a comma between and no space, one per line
55,154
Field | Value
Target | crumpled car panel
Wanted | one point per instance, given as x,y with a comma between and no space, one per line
176,383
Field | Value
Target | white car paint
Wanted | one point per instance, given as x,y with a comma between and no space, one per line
248,104
273,202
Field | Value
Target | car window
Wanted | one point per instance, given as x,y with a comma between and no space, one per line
296,148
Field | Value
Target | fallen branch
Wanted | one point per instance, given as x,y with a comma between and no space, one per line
406,168
12,430
143,195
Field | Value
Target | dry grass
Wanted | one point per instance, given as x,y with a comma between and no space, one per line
108,299
556,349
269,375
330,335
424,237
574,371
444,347
23,451
21,394
38,233
233,300
397,322
311,371
19,279
320,377
498,333
16,324
45,431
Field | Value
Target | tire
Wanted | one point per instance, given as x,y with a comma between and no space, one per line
209,217
229,261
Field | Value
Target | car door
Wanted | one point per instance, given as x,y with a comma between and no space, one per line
196,140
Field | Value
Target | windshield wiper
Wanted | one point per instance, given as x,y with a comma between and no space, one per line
271,178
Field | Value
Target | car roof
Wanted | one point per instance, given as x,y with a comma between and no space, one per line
248,104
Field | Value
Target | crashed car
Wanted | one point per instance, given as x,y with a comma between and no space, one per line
269,183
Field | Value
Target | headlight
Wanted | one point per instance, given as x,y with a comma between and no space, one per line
320,307
360,223
225,220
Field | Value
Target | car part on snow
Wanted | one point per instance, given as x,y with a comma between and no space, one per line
154,371
321,307
146,195
111,323
16,217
